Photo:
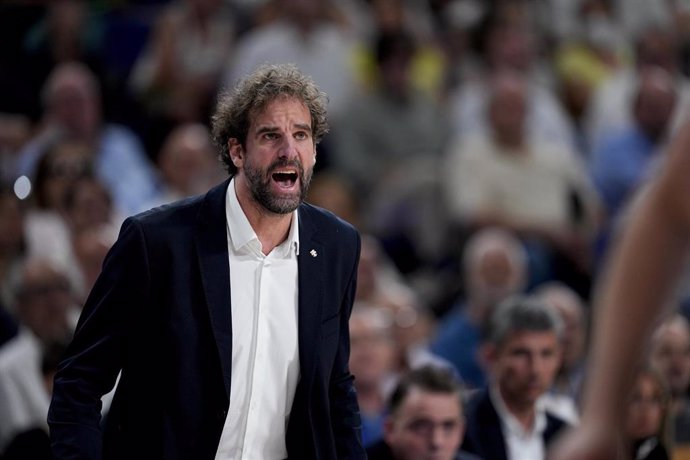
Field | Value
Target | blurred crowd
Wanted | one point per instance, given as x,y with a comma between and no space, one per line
485,149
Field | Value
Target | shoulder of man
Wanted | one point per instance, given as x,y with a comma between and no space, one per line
324,220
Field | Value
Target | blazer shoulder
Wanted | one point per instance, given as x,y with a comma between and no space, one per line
325,221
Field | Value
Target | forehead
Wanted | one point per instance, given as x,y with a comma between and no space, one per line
434,406
280,110
529,339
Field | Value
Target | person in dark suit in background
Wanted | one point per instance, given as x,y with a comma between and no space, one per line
425,418
507,420
226,315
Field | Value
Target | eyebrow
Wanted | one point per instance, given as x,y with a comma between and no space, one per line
271,129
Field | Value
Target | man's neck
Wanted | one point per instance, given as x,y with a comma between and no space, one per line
524,412
271,228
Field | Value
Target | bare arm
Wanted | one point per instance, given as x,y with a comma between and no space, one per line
638,283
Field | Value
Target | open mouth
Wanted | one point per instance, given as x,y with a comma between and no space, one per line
286,179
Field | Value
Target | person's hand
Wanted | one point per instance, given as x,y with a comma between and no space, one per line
589,441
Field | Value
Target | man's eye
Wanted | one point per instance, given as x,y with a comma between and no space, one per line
271,136
301,135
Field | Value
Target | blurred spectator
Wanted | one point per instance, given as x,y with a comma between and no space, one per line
34,443
386,132
48,233
177,75
73,112
564,395
372,362
47,312
627,157
538,190
611,107
647,413
391,124
304,34
511,47
187,163
670,356
593,52
68,31
494,267
507,421
330,190
424,418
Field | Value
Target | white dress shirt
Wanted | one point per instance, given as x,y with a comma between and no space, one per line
521,443
265,355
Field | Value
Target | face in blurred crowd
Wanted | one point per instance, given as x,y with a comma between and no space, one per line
426,426
372,349
44,300
524,366
58,171
646,408
574,334
187,160
508,109
670,354
73,101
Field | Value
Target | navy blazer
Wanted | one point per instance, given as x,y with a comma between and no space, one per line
160,313
483,432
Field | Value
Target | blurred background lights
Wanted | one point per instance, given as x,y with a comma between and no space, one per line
22,187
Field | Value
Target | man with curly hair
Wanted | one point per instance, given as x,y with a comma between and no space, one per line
226,315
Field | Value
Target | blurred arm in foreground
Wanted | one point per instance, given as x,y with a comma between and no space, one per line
639,280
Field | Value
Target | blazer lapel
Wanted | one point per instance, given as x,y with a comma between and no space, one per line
212,247
311,294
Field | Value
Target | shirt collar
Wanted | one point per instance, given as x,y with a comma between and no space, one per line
242,234
511,423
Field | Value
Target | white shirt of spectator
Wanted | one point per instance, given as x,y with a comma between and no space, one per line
521,444
265,355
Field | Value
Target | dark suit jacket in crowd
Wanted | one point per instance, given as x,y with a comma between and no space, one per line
160,313
381,451
484,435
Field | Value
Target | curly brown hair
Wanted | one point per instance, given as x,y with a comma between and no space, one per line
237,106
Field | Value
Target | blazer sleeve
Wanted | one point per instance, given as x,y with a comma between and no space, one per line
98,350
345,417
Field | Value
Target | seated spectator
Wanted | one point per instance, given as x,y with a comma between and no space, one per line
47,314
564,395
424,418
187,163
537,189
611,106
303,33
511,45
494,267
372,362
390,124
34,443
177,75
506,420
646,417
670,356
627,157
47,231
72,111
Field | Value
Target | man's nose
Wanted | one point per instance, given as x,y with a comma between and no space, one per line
288,148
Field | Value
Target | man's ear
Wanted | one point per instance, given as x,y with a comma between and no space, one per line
236,152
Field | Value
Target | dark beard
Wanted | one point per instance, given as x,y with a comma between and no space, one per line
260,186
